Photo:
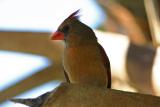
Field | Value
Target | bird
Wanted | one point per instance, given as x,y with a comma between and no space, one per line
84,59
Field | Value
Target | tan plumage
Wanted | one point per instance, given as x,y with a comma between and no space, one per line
84,60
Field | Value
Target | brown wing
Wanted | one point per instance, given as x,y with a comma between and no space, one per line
106,64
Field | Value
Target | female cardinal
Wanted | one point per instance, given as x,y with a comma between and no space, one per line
84,60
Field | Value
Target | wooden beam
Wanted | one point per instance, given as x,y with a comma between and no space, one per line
31,42
69,95
51,73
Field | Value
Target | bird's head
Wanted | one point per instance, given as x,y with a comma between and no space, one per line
72,31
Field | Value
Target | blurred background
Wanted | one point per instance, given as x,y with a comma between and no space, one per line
30,63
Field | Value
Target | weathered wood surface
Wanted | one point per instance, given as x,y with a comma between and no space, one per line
69,95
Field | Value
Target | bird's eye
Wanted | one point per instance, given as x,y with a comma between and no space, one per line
65,29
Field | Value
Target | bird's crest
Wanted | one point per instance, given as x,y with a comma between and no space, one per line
74,15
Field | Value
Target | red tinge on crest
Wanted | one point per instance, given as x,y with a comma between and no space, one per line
57,36
74,15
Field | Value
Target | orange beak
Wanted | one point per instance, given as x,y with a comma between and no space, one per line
57,36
